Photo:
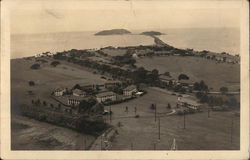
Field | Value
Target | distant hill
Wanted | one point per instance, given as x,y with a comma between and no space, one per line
152,33
113,32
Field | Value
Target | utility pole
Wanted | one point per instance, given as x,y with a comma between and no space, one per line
85,143
159,128
101,142
208,112
184,120
135,111
232,123
110,112
155,112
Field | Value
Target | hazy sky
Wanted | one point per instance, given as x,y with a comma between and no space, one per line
61,16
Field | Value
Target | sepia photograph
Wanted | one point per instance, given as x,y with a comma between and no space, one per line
126,75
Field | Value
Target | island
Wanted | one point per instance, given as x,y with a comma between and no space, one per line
112,32
152,33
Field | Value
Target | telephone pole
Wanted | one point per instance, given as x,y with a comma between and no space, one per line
155,112
208,112
110,112
232,123
85,143
159,128
184,120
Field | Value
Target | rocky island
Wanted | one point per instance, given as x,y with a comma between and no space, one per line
113,32
152,33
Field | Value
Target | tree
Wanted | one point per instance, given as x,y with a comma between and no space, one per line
44,103
55,63
77,86
169,106
31,83
35,66
167,74
152,106
183,76
223,90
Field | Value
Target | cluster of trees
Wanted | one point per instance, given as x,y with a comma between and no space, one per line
200,86
86,105
217,101
140,75
35,66
124,59
183,76
55,63
90,125
224,90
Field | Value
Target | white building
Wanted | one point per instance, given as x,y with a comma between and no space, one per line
104,96
59,92
189,103
130,90
74,100
167,79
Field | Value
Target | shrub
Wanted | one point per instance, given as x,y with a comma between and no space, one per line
31,83
35,66
152,106
183,76
224,90
55,63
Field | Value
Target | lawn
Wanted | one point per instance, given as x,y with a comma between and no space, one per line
214,74
201,133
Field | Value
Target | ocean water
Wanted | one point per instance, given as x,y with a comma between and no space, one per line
218,40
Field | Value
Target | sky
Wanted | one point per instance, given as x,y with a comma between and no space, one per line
68,16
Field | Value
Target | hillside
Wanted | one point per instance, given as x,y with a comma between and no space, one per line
113,32
214,74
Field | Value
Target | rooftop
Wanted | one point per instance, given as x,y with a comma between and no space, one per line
76,97
78,91
59,89
103,94
131,87
164,77
188,81
189,101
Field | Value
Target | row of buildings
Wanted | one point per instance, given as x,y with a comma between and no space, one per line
77,95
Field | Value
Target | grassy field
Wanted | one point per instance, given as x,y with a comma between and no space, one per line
46,80
214,74
201,133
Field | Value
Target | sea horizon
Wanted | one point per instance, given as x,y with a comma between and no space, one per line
212,39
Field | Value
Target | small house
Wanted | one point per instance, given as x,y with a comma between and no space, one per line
59,92
167,79
130,90
78,92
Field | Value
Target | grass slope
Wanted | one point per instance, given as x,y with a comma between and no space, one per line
214,74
